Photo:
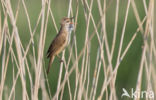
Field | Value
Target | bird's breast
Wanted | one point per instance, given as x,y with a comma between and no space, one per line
68,33
69,38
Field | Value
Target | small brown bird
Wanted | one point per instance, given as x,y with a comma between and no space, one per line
61,40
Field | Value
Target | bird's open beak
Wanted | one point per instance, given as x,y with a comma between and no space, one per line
71,23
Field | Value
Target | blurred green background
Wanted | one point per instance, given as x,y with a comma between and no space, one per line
128,69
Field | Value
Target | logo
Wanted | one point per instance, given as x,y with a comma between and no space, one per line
137,94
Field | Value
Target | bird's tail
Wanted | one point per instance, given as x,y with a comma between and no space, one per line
50,62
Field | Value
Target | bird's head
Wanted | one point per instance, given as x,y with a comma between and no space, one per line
67,23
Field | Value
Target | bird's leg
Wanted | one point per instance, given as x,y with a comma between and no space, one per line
59,58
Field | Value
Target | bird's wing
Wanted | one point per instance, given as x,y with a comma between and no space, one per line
56,44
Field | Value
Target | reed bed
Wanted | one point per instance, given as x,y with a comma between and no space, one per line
89,71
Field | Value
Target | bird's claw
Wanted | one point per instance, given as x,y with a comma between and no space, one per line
61,61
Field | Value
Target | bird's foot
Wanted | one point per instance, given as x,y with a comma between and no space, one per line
61,60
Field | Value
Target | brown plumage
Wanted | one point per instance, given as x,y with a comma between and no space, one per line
60,41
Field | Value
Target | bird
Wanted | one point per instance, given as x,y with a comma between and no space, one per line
61,40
